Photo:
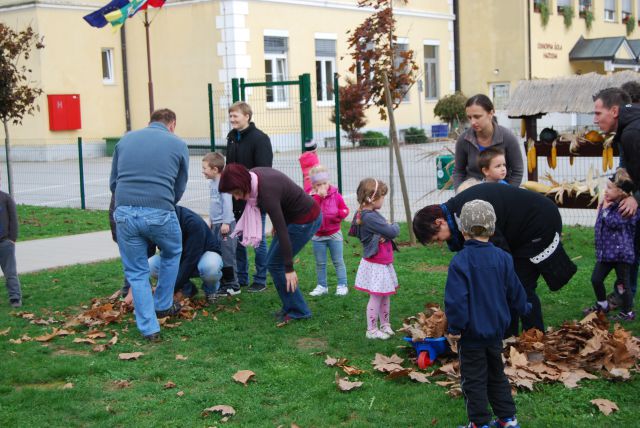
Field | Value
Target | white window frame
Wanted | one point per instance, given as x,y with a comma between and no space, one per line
626,12
278,91
404,43
110,80
325,86
436,45
609,15
492,92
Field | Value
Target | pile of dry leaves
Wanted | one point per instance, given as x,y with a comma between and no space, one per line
92,323
575,351
430,323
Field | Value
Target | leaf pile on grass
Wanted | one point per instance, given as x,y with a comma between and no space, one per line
430,323
575,351
105,312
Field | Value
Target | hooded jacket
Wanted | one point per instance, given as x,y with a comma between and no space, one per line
628,140
250,147
334,210
614,235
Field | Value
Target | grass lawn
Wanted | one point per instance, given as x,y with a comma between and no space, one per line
45,222
292,385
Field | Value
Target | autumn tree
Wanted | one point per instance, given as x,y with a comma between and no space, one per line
388,71
352,109
17,95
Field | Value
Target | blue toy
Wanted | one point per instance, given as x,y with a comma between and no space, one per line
428,349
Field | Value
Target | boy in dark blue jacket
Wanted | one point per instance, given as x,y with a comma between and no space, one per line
482,288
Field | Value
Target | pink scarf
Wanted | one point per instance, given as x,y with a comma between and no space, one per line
250,223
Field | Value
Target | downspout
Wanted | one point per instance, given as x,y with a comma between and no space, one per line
529,39
125,77
456,45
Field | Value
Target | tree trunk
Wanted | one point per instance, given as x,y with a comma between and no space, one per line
7,148
396,148
392,210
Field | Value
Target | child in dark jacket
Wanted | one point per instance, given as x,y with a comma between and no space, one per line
8,237
614,240
482,288
329,235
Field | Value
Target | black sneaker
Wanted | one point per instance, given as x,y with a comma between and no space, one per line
154,337
256,288
15,303
211,298
227,291
171,312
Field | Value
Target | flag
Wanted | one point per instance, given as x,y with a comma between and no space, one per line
97,19
116,12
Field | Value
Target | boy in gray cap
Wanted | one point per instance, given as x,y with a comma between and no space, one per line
482,288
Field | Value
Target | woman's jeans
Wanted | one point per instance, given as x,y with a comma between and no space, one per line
293,304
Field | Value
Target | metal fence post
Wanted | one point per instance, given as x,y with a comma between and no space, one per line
302,114
212,133
243,96
336,98
306,106
80,164
235,89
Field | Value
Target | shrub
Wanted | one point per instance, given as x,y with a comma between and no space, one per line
374,139
415,136
451,109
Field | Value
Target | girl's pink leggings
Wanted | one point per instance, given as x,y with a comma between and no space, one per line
378,309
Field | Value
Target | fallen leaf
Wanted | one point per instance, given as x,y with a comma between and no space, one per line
96,334
84,340
243,376
351,370
344,384
605,406
398,373
99,348
169,385
181,358
205,313
620,373
68,385
5,331
54,333
330,361
385,364
517,359
224,410
113,340
15,341
571,379
419,377
180,393
122,383
130,356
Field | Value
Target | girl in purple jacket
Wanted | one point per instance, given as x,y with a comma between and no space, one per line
614,239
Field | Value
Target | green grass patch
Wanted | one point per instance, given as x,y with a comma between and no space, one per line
44,222
292,385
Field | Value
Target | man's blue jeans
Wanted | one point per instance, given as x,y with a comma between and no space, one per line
293,304
335,249
260,276
136,227
209,271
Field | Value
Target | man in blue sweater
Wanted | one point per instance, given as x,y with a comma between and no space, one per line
149,174
482,289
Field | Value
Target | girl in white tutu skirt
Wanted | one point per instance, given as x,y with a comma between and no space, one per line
376,275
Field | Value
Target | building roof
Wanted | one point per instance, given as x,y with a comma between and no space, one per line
572,94
635,45
603,48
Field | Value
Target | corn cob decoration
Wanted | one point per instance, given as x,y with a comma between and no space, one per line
552,159
531,155
523,128
571,158
607,153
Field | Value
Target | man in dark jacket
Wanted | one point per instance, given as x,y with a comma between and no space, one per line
248,146
528,226
613,112
200,256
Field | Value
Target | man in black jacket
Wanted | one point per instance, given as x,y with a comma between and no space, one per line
528,226
200,256
613,112
248,146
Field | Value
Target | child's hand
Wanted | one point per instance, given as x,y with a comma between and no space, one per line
382,240
224,229
453,341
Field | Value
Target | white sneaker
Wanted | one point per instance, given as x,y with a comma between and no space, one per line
377,334
342,290
319,291
387,329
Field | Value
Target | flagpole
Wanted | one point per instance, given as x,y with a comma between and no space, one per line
147,24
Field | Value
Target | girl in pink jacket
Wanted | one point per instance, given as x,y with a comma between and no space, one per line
329,236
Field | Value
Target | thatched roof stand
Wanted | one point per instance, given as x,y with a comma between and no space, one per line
572,94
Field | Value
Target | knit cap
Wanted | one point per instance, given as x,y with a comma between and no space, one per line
310,145
477,213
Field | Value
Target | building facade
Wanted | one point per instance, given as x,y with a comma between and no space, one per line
197,42
504,41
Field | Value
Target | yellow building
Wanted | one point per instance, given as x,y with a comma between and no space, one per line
513,41
197,42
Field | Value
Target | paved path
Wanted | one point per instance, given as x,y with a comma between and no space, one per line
40,254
